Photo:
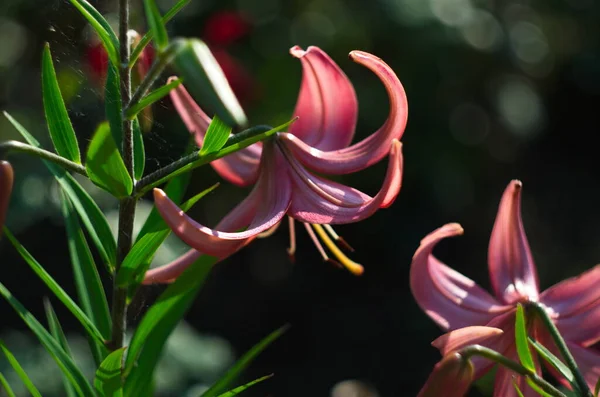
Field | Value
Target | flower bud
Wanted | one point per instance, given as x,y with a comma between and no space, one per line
451,377
6,184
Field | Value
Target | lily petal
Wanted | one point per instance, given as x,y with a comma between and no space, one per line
574,307
169,272
327,105
462,337
449,298
317,200
512,270
6,184
451,377
371,149
266,206
241,167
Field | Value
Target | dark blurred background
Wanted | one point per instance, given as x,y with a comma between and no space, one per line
497,90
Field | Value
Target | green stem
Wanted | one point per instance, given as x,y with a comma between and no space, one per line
158,176
17,146
481,351
126,205
562,348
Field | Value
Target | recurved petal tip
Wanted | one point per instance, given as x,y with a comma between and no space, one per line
297,51
6,184
457,339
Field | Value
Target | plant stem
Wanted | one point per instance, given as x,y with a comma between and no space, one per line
127,204
562,347
478,350
158,176
17,146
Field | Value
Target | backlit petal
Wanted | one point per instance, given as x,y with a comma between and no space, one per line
272,192
371,149
6,184
241,167
317,200
169,272
327,107
512,271
449,298
451,377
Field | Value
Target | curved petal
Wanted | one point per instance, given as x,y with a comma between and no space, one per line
241,167
451,377
273,192
574,305
317,200
512,271
169,272
6,184
371,149
326,105
449,298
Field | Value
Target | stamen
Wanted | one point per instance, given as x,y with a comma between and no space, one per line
316,242
353,267
269,232
292,249
340,240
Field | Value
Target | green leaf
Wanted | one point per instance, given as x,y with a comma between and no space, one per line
240,389
139,154
104,164
4,383
206,81
156,24
243,362
55,288
521,340
108,376
113,108
20,371
90,291
597,388
159,322
537,389
58,334
138,259
152,97
102,28
59,124
519,393
234,143
135,54
66,363
93,219
554,361
216,137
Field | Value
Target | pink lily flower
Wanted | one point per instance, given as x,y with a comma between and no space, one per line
454,301
320,141
6,184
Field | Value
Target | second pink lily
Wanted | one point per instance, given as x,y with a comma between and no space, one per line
320,140
454,301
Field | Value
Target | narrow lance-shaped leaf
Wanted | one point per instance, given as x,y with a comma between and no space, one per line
90,291
58,334
216,137
65,363
156,24
139,153
113,107
138,259
240,389
59,124
108,376
206,81
6,387
55,288
519,393
104,164
102,28
159,322
93,219
231,375
522,341
137,51
152,97
12,360
554,361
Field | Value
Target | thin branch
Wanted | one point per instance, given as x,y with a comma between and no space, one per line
17,146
